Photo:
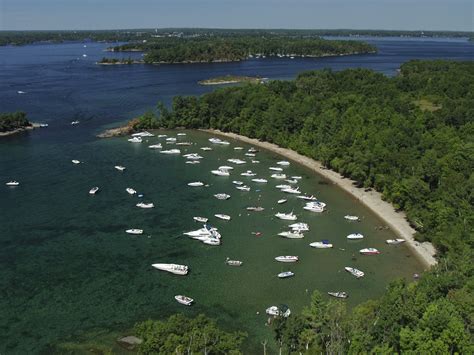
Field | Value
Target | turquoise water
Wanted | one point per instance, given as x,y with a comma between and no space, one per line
69,267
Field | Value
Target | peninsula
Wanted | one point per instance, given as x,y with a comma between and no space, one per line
232,79
14,122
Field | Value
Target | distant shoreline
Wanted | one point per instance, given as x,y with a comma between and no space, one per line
19,130
232,79
373,200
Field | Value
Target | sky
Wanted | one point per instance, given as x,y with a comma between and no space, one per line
455,15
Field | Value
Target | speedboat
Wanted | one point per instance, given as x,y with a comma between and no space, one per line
145,205
250,154
302,227
352,218
255,208
162,135
287,259
94,190
206,232
355,236
143,134
291,235
12,183
119,167
369,251
75,161
187,301
184,143
219,172
292,190
225,167
196,184
296,177
275,168
211,241
290,181
206,149
131,191
238,183
134,231
135,140
230,262
395,241
155,146
307,198
260,180
286,216
243,188
338,294
284,275
357,273
279,176
74,123
171,139
314,207
222,216
255,161
236,161
192,162
281,201
181,134
275,311
283,163
218,141
222,196
252,150
321,245
248,173
200,219
171,151
192,156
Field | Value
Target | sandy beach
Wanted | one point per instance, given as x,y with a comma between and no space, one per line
373,200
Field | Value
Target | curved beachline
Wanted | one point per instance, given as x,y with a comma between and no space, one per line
372,199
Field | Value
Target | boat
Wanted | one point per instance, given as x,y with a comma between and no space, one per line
187,301
131,191
230,262
290,181
238,148
193,156
206,232
321,245
357,273
181,134
255,209
218,141
281,201
395,241
219,172
299,226
155,146
134,231
255,161
248,173
171,139
238,183
144,134
243,188
292,235
275,311
250,154
338,294
222,216
196,184
314,207
369,251
279,176
135,140
94,190
171,151
222,196
236,161
12,183
287,259
21,92
75,161
74,123
283,163
206,149
351,218
307,198
281,187
193,162
296,177
200,219
285,274
162,135
286,216
273,168
355,236
260,180
225,167
292,190
211,241
145,205
119,167
252,150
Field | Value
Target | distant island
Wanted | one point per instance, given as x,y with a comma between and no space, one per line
14,122
231,79
115,61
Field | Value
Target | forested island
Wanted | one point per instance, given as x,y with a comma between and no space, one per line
13,122
409,137
232,79
115,61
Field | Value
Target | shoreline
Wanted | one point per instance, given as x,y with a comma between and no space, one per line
371,199
20,129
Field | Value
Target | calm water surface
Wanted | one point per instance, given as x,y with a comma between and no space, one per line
67,267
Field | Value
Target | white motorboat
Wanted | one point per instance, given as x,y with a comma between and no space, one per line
145,205
187,301
171,151
351,218
119,167
225,168
281,201
236,161
74,123
248,173
94,190
219,172
307,198
206,149
230,262
143,134
355,236
193,156
238,148
155,146
218,141
131,191
193,162
211,241
314,207
222,216
250,155
395,241
291,235
285,274
283,163
338,294
292,190
321,245
369,251
290,181
184,143
171,139
203,233
222,196
200,219
302,227
296,177
162,135
279,176
281,187
275,311
255,208
262,181
196,184
274,168
12,183
252,150
357,273
287,259
75,161
135,140
286,216
181,134
238,183
134,231
243,188
255,161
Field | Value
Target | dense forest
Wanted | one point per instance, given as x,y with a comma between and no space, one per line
411,137
12,121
